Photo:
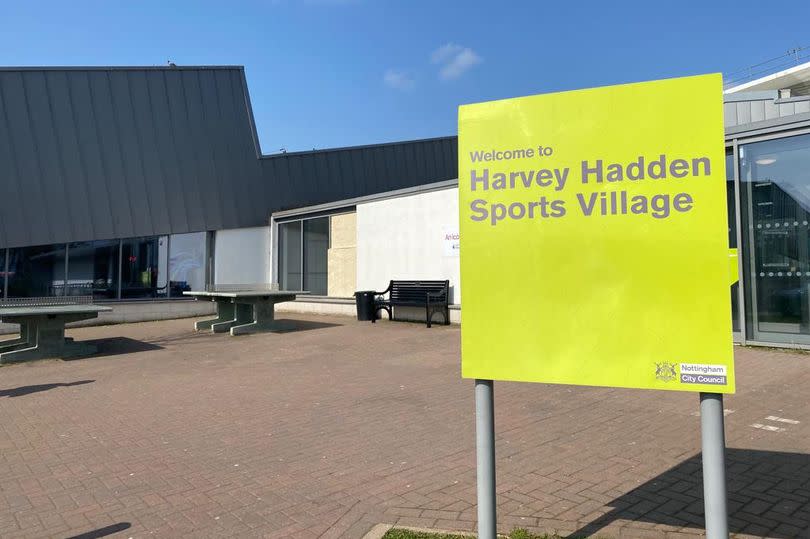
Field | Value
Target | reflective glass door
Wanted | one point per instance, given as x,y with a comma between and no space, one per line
775,197
731,199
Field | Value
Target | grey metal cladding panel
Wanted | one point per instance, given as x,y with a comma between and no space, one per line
232,198
243,122
802,106
111,154
771,110
140,197
743,112
420,160
374,163
452,153
163,143
339,179
13,218
369,163
355,162
186,158
208,184
90,154
729,114
431,161
408,166
309,178
29,177
297,181
249,146
65,167
757,111
786,109
393,168
340,165
279,180
242,167
285,183
54,184
149,161
88,205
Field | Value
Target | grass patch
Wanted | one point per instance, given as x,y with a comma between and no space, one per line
397,533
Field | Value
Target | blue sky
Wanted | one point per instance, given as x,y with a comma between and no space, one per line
325,73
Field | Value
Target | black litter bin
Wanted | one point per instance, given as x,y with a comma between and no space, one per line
365,304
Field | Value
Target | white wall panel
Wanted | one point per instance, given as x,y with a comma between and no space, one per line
403,238
242,256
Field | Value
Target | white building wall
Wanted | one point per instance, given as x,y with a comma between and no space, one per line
242,256
404,238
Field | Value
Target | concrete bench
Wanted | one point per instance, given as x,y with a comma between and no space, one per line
42,327
249,310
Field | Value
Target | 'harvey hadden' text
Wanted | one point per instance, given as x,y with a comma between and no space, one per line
605,187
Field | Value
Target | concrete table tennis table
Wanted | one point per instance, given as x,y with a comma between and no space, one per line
244,311
42,331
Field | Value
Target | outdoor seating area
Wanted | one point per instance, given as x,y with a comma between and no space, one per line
42,327
243,309
175,433
432,296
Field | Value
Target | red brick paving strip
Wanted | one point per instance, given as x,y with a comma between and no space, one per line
326,431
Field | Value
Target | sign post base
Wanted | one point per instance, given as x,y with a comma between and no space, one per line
713,442
485,454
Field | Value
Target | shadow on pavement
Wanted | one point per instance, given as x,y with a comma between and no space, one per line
27,390
114,346
302,325
768,495
103,532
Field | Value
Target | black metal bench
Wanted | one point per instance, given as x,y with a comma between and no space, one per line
434,296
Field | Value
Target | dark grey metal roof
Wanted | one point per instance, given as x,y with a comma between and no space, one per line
103,153
307,178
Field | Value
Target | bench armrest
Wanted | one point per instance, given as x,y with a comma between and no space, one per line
387,290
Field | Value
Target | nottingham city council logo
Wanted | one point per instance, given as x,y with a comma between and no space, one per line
665,372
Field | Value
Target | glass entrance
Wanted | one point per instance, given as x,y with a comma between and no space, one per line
731,200
775,198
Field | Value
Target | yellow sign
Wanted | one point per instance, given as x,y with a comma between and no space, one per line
594,239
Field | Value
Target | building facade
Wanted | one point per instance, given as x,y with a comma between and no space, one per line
135,184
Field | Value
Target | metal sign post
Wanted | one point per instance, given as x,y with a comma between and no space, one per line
713,443
485,453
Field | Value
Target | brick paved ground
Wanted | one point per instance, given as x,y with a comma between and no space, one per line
326,431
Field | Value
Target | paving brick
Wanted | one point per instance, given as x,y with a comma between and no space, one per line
318,433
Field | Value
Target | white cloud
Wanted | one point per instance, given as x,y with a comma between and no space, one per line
454,60
398,79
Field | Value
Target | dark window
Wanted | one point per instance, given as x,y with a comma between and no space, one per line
2,272
303,253
36,271
93,269
289,259
732,235
144,267
316,248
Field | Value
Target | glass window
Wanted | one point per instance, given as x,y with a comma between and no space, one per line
732,235
316,250
93,269
187,263
2,272
289,260
36,271
144,265
775,199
